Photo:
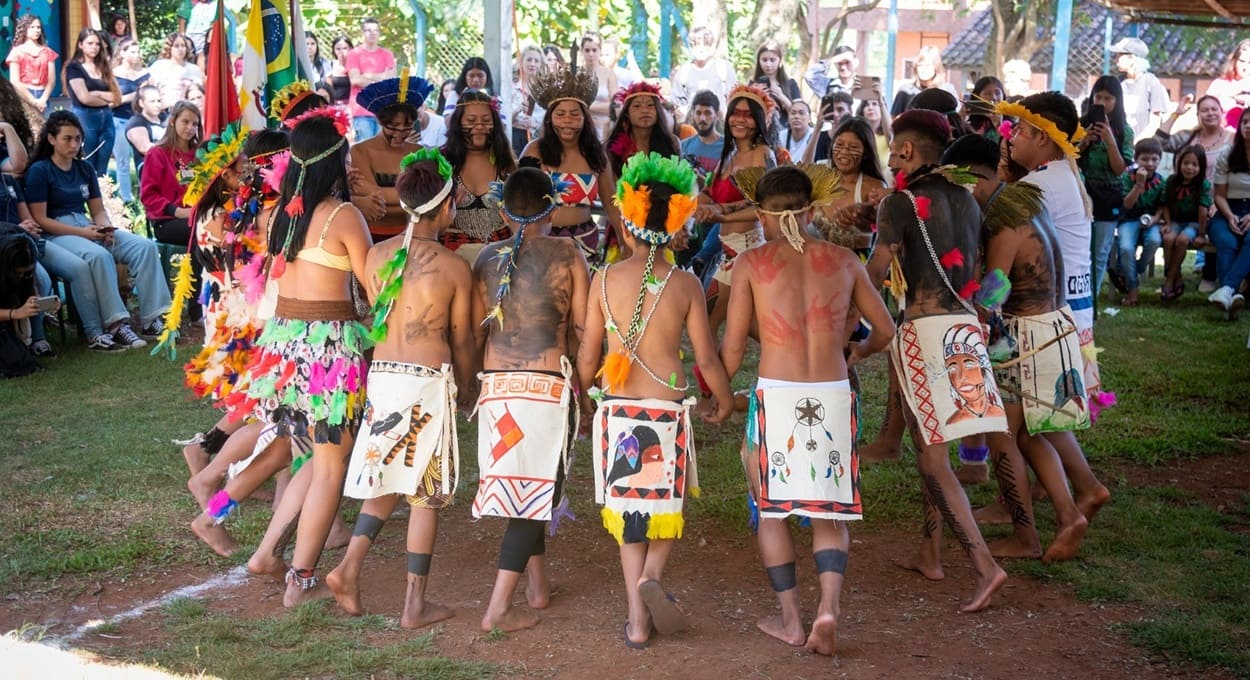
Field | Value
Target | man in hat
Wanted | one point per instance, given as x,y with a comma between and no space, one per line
1145,98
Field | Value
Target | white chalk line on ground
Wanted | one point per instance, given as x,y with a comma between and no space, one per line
227,580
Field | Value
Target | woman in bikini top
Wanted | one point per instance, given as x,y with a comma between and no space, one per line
480,153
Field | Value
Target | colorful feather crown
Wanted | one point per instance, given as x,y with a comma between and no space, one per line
444,171
634,198
637,89
1047,126
342,121
285,99
214,156
406,89
754,93
826,182
549,87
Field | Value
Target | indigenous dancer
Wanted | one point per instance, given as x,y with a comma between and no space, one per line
480,153
569,149
375,161
644,446
1043,141
746,123
535,287
408,443
309,373
641,127
799,451
1036,353
939,352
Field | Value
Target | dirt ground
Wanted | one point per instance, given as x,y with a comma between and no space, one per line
893,622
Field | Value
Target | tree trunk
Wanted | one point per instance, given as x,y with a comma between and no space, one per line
776,21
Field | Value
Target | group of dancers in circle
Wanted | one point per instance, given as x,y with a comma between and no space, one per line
340,364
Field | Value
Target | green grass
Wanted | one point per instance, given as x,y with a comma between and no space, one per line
94,488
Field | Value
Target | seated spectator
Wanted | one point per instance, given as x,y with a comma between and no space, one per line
1229,228
161,183
192,92
1187,197
1143,205
15,130
64,199
15,220
146,127
18,306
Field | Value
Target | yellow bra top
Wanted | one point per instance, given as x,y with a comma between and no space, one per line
319,255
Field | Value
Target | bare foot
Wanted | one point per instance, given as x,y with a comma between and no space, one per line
986,587
201,490
1067,542
537,589
994,513
824,637
1090,504
879,451
925,566
267,565
339,536
774,626
512,619
196,457
345,585
214,535
424,614
262,494
1013,546
295,596
742,402
973,474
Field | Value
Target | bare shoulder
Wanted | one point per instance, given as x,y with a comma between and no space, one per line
383,251
686,284
454,265
484,257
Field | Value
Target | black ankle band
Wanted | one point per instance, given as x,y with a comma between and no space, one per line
368,526
782,577
214,439
419,564
830,560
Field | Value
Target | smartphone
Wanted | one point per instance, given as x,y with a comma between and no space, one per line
106,230
864,90
48,304
1097,114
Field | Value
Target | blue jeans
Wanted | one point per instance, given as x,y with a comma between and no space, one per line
97,136
366,127
1103,236
1232,251
121,155
140,256
1130,265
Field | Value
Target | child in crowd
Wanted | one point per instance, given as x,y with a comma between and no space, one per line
1143,203
644,453
407,444
1186,199
799,452
536,287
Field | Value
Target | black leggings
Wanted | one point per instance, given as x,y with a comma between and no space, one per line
525,538
175,231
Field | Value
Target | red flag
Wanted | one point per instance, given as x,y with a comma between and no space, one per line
221,104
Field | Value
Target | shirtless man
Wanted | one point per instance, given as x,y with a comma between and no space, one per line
939,267
1051,166
1042,388
643,437
798,291
535,287
407,446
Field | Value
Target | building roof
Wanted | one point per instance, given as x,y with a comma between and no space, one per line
1230,10
1169,56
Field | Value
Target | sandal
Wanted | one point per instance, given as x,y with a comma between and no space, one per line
634,645
665,615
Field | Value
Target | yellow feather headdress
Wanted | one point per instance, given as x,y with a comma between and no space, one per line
1046,125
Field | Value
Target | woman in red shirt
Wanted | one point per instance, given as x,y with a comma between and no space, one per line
161,182
31,62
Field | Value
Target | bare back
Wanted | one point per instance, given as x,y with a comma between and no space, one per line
341,234
434,300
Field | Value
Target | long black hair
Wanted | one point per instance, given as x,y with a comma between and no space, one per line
1237,161
1116,117
13,111
327,178
551,150
479,64
16,250
1171,190
761,129
662,140
868,163
456,151
51,128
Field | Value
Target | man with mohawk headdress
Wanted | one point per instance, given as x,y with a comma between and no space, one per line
799,452
644,452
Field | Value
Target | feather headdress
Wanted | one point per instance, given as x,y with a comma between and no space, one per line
825,187
754,93
506,256
285,99
214,156
1047,126
638,89
407,90
550,87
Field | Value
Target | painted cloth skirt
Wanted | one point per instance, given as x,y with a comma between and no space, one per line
231,330
946,378
523,442
308,371
644,467
800,456
733,245
407,442
1045,372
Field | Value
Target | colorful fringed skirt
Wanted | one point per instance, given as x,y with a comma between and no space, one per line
231,329
308,370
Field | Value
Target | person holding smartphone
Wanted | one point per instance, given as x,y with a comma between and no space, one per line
64,199
1106,152
770,74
